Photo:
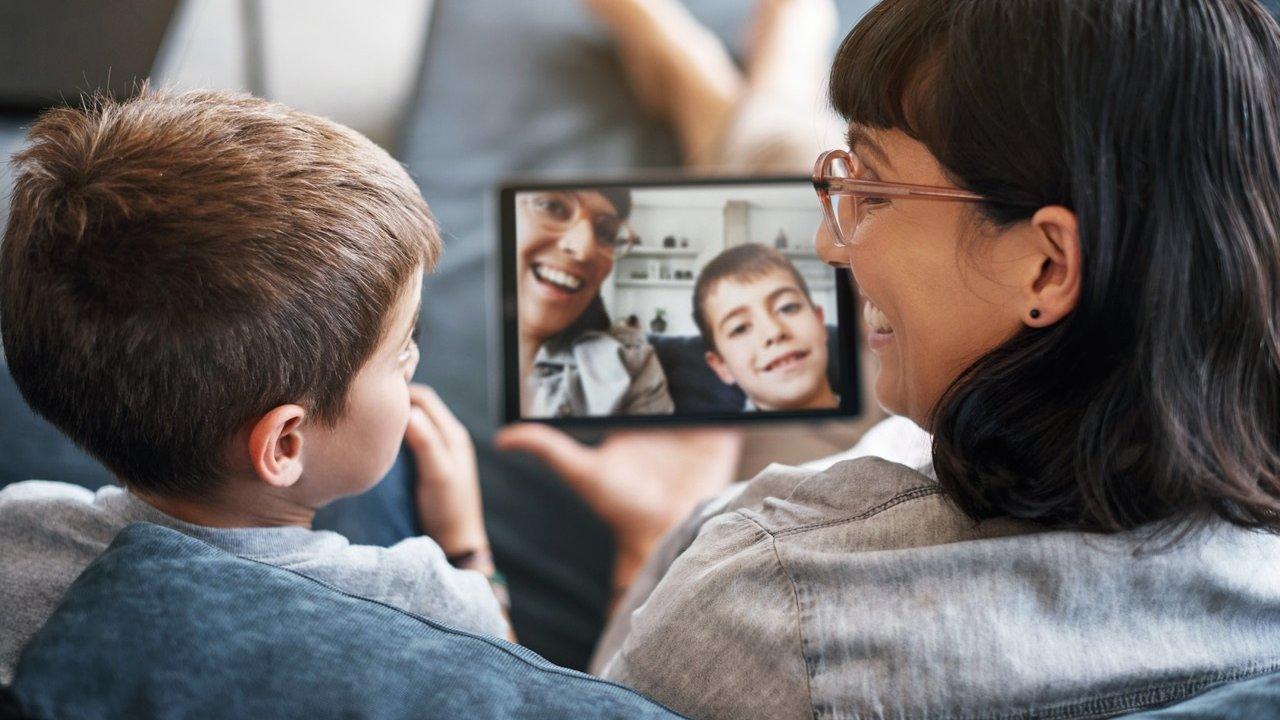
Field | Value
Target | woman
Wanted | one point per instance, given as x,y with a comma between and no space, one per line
573,361
1064,216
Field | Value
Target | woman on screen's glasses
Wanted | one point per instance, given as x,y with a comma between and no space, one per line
573,361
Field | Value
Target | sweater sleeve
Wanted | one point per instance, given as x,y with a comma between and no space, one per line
648,393
412,575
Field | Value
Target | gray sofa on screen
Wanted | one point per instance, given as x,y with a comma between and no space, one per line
695,389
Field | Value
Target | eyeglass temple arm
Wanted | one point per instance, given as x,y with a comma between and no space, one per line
847,186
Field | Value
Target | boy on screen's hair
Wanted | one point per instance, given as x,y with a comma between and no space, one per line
763,331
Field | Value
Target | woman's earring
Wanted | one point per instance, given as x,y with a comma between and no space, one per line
1035,313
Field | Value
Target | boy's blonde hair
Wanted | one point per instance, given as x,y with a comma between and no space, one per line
176,265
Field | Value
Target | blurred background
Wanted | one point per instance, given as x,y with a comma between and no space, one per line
466,93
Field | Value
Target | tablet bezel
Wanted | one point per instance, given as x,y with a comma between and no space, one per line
850,391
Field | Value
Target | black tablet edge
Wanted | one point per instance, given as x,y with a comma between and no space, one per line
851,400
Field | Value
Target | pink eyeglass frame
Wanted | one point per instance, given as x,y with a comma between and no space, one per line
826,185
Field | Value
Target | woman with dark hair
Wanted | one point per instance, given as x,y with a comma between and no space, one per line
573,361
1065,217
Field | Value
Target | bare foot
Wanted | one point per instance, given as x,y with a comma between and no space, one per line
680,71
789,47
783,120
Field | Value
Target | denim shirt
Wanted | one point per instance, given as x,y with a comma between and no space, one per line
862,592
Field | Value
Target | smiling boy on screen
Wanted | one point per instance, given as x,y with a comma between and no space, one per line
763,331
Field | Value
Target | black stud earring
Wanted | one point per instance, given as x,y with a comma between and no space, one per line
1035,313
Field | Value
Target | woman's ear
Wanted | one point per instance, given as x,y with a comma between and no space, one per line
275,446
1052,287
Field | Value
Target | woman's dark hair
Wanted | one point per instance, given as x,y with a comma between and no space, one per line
1157,401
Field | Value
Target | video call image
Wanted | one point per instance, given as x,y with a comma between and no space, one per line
688,300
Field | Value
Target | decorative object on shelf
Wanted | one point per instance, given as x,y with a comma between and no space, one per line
633,321
684,242
639,275
659,322
664,273
669,241
684,274
655,267
780,240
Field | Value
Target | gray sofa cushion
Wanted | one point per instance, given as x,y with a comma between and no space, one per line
165,626
696,389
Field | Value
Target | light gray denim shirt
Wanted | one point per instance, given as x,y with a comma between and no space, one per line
599,374
861,592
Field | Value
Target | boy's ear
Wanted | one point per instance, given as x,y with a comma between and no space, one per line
721,370
275,446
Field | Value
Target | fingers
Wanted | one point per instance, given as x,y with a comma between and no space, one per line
723,440
567,457
423,437
715,440
453,431
683,434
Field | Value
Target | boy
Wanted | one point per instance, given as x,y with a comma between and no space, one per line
762,330
214,295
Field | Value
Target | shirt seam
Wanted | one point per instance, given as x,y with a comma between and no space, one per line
915,493
795,597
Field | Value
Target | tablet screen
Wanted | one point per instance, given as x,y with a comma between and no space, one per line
648,301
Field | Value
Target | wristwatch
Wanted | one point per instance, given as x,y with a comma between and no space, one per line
481,560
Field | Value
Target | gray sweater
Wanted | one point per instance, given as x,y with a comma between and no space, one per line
49,532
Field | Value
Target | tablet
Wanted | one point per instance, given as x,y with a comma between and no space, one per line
655,301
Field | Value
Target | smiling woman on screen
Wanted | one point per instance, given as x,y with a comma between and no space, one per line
573,361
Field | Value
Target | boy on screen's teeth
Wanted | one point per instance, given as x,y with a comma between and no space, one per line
763,331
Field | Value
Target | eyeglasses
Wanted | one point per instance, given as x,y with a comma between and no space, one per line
840,174
556,212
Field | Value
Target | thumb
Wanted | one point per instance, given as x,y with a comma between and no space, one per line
569,458
420,434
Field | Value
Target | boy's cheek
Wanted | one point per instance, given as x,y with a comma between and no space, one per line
741,359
